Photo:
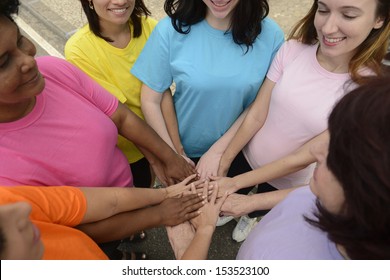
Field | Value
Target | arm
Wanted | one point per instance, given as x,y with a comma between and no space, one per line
205,226
103,203
291,163
168,166
253,122
151,103
169,115
238,205
171,211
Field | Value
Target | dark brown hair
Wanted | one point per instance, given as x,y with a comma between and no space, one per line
135,18
359,157
245,25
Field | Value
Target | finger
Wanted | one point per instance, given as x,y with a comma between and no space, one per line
192,187
222,200
192,215
189,178
215,178
206,189
214,194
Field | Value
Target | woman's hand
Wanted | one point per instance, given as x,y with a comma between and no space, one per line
182,187
174,211
208,164
209,213
225,185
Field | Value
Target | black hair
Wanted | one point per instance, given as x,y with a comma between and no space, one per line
93,19
245,25
9,8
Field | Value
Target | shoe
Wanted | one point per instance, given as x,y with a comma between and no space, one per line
243,228
223,220
134,256
138,237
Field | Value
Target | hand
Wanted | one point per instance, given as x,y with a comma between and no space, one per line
209,213
208,164
174,211
226,185
182,187
175,170
224,166
236,205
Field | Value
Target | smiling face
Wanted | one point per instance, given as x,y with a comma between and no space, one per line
324,184
115,12
19,73
342,25
21,237
219,12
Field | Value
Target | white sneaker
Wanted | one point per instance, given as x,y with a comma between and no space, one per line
224,220
243,228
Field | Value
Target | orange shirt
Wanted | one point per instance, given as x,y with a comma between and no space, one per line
55,211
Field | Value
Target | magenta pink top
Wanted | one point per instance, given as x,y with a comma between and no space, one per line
68,138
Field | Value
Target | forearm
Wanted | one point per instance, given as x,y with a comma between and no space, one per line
199,247
151,103
122,225
267,200
170,119
103,203
293,162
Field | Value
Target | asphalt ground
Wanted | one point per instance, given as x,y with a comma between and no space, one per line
55,21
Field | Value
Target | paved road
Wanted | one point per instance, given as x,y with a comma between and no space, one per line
55,21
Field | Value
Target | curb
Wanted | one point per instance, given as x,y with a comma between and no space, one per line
51,19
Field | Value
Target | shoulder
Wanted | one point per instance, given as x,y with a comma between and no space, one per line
148,22
165,24
80,35
58,69
271,25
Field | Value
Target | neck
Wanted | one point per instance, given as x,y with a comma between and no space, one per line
14,112
217,23
120,34
339,64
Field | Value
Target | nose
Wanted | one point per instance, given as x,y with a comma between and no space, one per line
330,25
119,2
26,62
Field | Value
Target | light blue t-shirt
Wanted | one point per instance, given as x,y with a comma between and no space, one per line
283,234
215,79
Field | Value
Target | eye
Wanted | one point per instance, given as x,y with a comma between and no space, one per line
348,16
4,61
322,11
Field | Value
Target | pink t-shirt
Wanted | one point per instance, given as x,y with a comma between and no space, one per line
302,99
68,138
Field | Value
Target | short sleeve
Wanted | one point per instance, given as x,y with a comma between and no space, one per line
153,65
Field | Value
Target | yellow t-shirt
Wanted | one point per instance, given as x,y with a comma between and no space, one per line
110,67
55,211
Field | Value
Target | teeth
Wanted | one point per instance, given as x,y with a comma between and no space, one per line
334,40
118,10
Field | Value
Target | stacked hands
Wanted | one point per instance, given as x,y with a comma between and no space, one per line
198,201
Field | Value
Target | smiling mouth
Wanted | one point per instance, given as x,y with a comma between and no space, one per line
333,41
33,79
220,5
118,11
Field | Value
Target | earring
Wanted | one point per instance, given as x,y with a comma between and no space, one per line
90,5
